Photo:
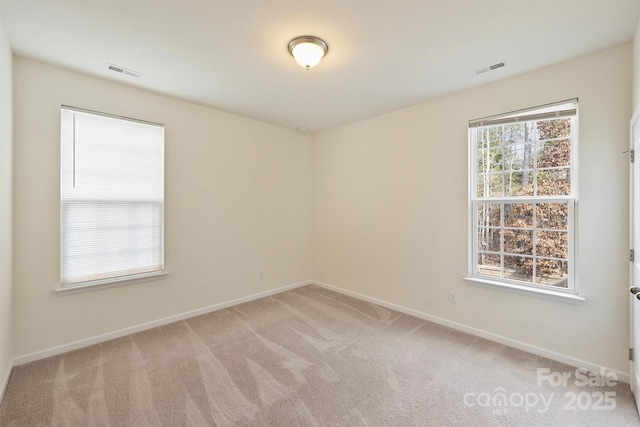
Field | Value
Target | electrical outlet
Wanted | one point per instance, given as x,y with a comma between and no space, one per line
452,297
261,274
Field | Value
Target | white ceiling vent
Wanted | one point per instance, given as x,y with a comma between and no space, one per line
491,67
122,70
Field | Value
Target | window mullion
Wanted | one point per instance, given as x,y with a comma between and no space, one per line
502,240
534,234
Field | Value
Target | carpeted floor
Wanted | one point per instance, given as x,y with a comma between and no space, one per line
307,357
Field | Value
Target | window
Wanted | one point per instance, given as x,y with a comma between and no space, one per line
523,197
111,198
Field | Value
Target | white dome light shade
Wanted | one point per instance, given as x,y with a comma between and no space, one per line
308,50
308,55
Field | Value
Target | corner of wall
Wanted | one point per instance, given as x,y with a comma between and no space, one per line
6,208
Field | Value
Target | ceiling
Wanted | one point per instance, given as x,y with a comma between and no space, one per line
383,55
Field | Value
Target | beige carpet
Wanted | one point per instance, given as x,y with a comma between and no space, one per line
307,357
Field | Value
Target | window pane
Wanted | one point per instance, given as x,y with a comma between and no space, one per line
554,182
552,272
552,216
518,215
481,138
489,264
488,215
554,153
518,268
519,183
490,184
518,156
490,160
518,241
513,133
556,128
489,239
495,136
552,244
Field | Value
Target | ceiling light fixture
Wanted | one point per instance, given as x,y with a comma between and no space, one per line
308,50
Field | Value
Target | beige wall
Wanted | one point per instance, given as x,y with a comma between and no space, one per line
390,210
6,349
238,200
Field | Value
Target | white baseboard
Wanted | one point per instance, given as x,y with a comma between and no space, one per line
549,354
5,381
571,361
53,351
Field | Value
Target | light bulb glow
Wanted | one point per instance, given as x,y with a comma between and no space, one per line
308,55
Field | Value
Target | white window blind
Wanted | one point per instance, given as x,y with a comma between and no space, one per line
111,197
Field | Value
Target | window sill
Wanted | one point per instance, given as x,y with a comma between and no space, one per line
526,290
95,285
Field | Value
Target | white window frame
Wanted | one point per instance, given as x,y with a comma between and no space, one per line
569,294
116,278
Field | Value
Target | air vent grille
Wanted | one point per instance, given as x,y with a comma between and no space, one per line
491,67
122,70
